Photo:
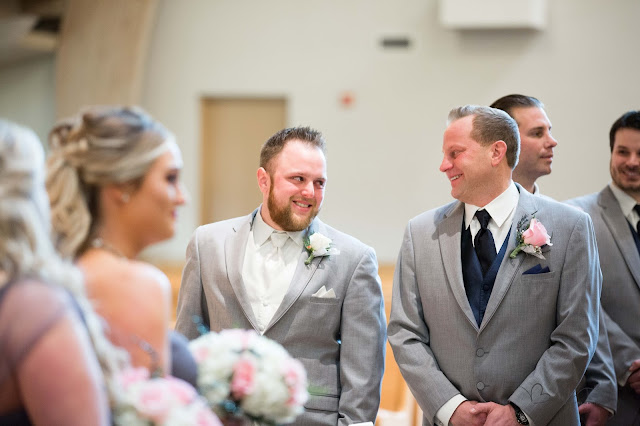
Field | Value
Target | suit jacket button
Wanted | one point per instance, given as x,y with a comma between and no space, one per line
480,352
480,385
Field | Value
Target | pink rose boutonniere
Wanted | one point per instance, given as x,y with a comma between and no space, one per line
530,239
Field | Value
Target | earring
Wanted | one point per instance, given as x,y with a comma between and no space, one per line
125,197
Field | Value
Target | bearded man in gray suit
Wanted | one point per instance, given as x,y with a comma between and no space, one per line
615,212
284,273
482,332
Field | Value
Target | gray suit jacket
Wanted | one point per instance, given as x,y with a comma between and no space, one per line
340,341
538,333
620,291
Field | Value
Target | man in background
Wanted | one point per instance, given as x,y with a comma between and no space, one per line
536,156
615,212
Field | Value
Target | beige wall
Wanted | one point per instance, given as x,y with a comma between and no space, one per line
384,152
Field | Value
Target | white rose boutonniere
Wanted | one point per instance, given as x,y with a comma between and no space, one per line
532,239
318,245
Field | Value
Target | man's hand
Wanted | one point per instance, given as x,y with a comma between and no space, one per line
466,415
594,414
497,415
634,378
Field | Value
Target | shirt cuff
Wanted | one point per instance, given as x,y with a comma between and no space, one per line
622,381
443,415
362,424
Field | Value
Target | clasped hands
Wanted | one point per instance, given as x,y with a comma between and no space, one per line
473,413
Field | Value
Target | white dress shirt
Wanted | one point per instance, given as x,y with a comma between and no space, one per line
627,203
502,209
267,271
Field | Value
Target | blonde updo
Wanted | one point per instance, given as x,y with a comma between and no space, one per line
101,145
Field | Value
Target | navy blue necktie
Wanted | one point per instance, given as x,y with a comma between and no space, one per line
483,242
637,209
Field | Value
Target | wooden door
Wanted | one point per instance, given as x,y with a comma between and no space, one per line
233,131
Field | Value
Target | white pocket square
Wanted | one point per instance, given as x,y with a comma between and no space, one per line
324,294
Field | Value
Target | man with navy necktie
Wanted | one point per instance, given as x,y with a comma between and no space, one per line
598,391
616,219
493,321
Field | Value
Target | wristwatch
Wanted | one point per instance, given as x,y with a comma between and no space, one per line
520,416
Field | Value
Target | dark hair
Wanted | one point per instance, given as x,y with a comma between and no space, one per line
629,120
490,125
510,102
277,142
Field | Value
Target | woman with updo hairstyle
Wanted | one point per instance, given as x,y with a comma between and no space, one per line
113,182
52,346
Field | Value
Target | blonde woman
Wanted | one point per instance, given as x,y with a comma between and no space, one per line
113,181
49,373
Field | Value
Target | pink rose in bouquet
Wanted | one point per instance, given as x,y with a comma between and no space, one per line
166,401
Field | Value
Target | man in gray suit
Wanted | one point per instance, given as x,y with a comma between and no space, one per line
615,212
598,391
486,329
284,273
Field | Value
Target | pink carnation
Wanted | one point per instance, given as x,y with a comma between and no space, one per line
154,400
133,375
181,390
243,381
536,235
204,417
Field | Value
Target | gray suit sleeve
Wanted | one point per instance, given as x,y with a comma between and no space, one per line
600,378
625,349
574,339
409,337
192,305
363,334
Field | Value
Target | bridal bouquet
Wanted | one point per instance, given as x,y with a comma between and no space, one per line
243,374
165,401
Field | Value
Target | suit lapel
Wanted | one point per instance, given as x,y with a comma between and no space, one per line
450,246
618,225
301,277
234,250
508,268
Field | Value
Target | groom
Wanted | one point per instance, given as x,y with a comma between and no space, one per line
482,332
325,307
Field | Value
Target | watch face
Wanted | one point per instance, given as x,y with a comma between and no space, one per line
522,419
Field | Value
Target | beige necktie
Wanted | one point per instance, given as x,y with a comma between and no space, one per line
278,239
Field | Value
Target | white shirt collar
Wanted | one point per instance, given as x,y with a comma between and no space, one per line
262,231
500,208
626,201
536,189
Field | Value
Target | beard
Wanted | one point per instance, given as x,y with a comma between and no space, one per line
617,176
284,217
